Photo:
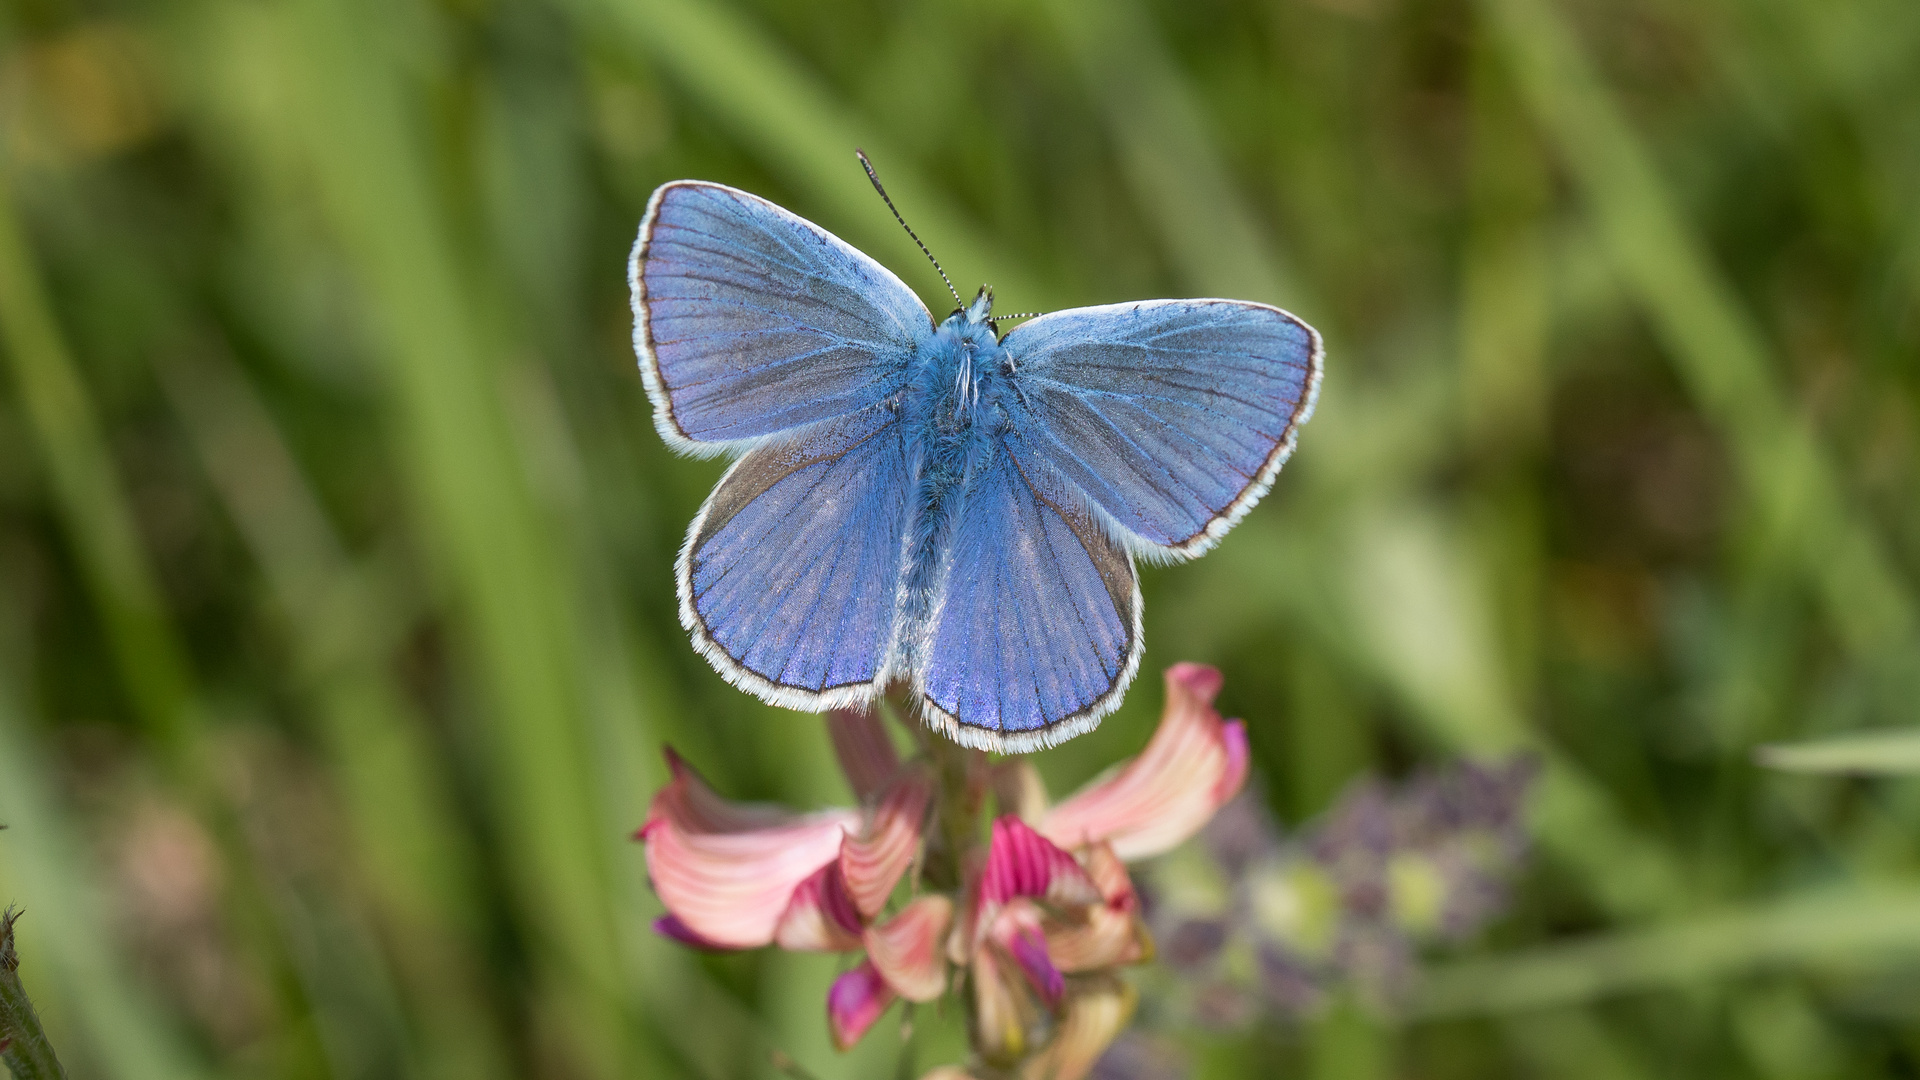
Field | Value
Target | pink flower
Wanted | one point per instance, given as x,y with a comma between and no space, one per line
1038,921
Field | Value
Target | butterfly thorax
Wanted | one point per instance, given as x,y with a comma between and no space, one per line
952,412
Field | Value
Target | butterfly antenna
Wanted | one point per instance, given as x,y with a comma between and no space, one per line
875,177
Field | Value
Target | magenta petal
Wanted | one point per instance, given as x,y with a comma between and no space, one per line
670,926
727,871
1193,765
855,1001
1029,949
1021,862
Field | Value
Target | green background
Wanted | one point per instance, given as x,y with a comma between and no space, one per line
337,636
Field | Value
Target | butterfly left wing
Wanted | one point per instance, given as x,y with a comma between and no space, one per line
751,321
790,575
1172,416
1036,630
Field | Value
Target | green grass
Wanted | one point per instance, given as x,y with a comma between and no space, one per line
335,539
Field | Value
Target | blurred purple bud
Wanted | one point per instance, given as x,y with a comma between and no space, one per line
1288,982
1193,943
1241,832
1136,1056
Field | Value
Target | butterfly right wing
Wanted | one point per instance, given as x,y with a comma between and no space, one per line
790,575
1171,416
750,320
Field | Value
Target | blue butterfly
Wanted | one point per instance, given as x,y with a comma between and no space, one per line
932,502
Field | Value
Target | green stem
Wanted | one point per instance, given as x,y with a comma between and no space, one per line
961,775
23,1045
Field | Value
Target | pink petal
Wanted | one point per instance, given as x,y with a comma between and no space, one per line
866,755
873,862
1098,1009
855,1001
908,948
1021,862
1193,764
1106,934
820,917
726,871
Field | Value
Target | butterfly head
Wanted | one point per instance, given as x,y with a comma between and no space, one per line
982,306
974,322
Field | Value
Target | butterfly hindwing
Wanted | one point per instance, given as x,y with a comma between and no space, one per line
750,320
1036,631
1172,416
790,574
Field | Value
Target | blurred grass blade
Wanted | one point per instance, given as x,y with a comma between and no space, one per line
784,114
420,867
41,866
1173,164
1428,633
1506,296
1719,352
1573,1044
99,522
495,547
1869,926
1892,752
86,488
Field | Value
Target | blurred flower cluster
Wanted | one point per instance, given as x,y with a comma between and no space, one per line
1026,918
1254,925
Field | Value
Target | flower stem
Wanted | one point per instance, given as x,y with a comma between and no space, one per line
23,1045
962,786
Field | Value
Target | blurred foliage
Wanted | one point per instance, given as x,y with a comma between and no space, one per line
337,635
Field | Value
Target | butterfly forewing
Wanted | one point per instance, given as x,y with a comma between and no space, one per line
1172,416
751,321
